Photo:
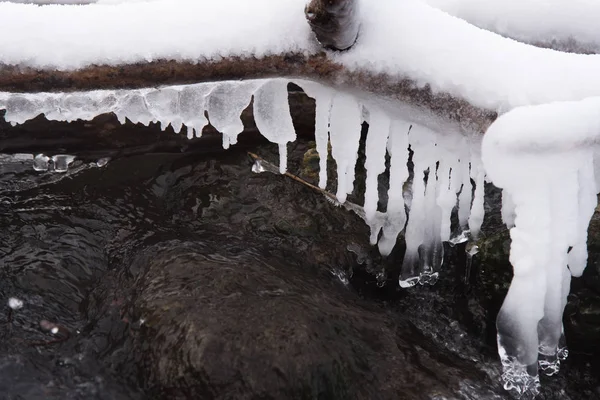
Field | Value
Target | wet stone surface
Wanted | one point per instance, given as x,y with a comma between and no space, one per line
174,272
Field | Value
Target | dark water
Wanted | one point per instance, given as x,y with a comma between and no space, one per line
178,273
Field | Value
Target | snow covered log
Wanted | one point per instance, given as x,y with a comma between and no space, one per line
444,72
318,68
548,24
334,22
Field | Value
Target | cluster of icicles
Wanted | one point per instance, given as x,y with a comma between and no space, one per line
450,166
446,180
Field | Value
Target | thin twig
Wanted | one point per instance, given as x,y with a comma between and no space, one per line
294,177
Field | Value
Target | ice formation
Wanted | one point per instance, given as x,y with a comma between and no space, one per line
442,163
543,158
547,179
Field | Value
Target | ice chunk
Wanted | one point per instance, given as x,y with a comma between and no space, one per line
346,119
273,118
62,162
40,162
15,303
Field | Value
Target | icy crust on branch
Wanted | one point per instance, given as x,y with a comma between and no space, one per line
444,164
550,22
175,106
543,158
403,39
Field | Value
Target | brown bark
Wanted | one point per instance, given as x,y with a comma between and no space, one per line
317,68
334,22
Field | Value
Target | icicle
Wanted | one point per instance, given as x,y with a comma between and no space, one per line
430,251
508,210
587,202
133,106
273,118
377,138
163,104
192,105
466,192
549,176
395,217
345,136
446,199
477,210
417,221
323,98
225,105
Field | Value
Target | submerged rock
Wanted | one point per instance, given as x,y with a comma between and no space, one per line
226,322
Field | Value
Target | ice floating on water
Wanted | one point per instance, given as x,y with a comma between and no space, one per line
57,163
15,303
62,162
41,163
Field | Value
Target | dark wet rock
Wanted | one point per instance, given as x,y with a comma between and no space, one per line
230,323
237,278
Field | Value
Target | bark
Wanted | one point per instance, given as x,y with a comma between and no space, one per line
334,22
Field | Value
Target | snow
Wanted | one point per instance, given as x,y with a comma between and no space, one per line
71,37
544,22
434,48
400,38
543,158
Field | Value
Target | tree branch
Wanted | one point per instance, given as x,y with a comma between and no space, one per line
334,22
317,68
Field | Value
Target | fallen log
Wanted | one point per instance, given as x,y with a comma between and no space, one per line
319,68
431,88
